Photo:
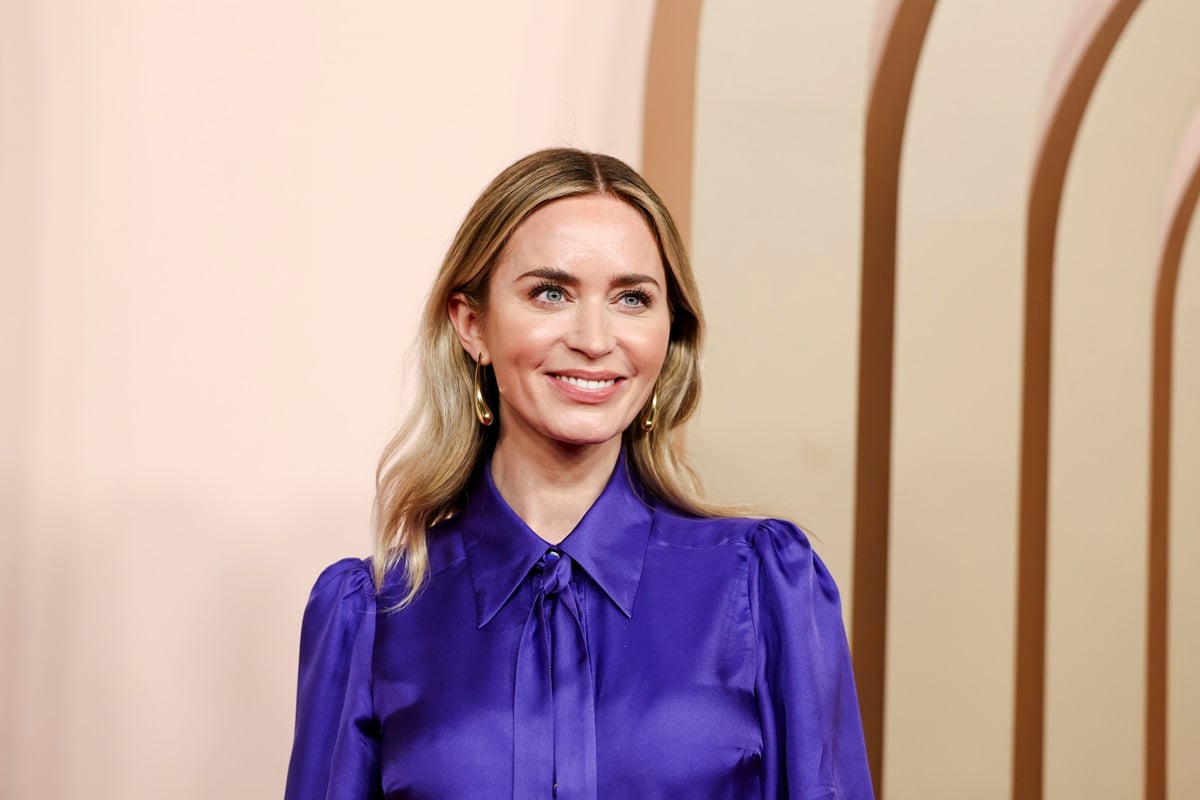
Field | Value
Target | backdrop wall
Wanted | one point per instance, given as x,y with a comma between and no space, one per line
220,220
217,224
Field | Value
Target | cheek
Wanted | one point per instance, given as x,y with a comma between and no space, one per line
652,349
525,348
517,350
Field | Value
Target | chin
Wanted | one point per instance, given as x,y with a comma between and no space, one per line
578,439
586,434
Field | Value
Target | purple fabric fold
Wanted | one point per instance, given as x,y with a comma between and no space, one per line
554,708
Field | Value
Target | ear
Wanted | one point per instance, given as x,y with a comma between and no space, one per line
468,324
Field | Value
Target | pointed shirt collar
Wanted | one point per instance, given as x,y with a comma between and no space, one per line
609,543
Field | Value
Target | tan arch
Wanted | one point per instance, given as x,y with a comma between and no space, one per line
1092,33
1182,194
668,127
900,29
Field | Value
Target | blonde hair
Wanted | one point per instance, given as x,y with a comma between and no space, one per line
424,470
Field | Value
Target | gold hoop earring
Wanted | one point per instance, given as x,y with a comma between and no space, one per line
651,419
482,412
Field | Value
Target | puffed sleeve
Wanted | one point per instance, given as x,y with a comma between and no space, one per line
335,755
812,730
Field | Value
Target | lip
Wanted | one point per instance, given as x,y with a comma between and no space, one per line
581,394
585,374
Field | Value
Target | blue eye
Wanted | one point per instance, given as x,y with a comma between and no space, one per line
550,293
635,299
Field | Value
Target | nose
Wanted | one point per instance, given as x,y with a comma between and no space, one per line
591,334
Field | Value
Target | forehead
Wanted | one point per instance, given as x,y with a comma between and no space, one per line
594,232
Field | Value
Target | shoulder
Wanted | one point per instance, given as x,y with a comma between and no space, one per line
683,530
346,585
776,556
765,536
789,566
781,540
352,574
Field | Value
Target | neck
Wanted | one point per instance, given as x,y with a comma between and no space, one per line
549,485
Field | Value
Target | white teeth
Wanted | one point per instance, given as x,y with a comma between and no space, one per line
582,383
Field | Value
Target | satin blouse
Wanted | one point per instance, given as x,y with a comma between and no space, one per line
649,655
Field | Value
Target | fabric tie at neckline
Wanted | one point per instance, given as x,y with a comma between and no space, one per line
556,569
554,708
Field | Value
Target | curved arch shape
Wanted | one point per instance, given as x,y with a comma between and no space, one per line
1092,34
1182,194
900,30
668,127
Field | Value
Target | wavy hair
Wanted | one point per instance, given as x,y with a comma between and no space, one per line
424,471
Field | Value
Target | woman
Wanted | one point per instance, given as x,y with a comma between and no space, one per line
552,611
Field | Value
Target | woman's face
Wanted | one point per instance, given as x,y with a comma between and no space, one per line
576,325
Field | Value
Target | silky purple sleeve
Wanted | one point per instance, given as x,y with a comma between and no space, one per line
335,754
812,730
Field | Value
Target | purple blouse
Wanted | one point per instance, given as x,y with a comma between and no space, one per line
649,655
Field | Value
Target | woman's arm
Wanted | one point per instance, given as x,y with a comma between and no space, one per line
811,724
335,753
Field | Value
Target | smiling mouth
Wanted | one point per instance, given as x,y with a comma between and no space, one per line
584,383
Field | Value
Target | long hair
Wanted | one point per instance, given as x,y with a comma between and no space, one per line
424,470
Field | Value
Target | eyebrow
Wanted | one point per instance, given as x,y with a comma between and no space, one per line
562,276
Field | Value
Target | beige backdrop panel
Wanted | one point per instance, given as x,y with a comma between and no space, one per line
777,249
16,360
960,248
227,216
1107,252
1183,695
777,210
